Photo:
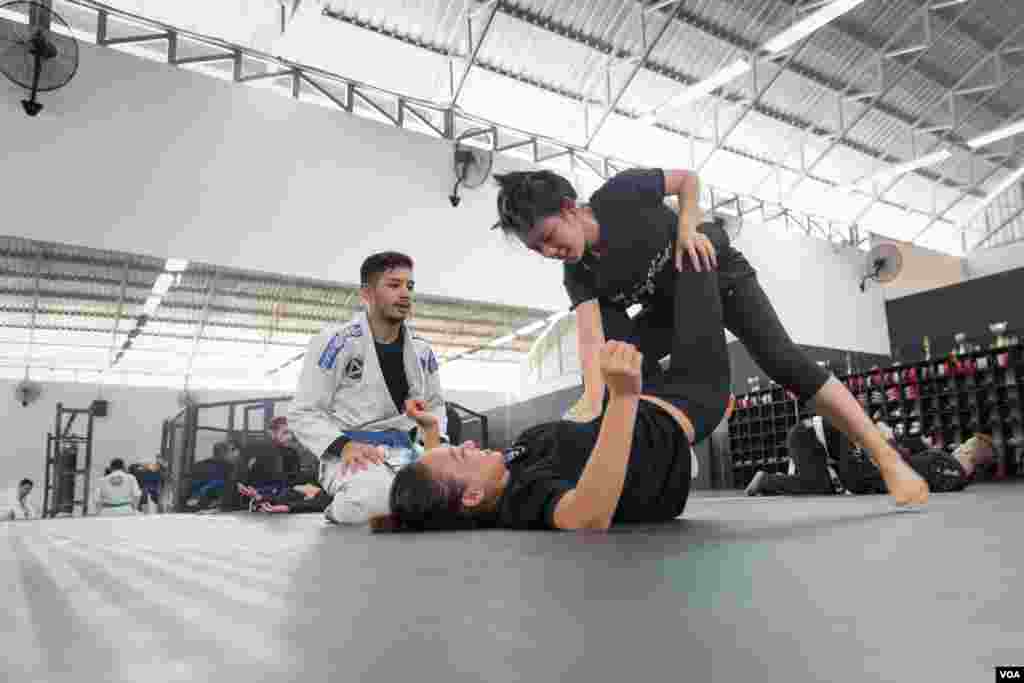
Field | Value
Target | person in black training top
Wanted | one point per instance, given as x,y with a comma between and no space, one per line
812,451
619,250
631,464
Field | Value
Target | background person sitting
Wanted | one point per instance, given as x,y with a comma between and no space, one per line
18,505
118,492
299,498
811,450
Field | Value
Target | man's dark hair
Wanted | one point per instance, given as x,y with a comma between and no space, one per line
116,464
527,197
26,481
377,264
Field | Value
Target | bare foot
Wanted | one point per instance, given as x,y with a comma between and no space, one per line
906,486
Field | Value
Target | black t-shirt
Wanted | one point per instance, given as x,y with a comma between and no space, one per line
639,231
392,364
548,460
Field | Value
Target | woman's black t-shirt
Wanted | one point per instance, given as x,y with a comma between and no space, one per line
548,460
639,231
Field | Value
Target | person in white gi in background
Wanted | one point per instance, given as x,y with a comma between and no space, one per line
118,492
352,393
18,505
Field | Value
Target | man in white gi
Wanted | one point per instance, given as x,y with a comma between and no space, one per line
351,396
18,505
118,492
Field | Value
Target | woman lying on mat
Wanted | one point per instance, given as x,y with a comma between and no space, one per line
299,498
631,464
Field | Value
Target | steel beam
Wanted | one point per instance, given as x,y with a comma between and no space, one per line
613,100
211,292
995,231
313,76
759,93
117,316
886,88
35,312
474,48
956,202
598,44
970,189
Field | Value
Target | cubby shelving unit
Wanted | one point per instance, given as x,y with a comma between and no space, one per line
947,399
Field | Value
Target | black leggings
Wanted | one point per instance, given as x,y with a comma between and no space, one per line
744,310
858,475
697,380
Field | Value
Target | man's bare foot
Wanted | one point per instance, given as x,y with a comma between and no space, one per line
906,486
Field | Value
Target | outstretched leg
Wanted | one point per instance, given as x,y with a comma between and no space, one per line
752,318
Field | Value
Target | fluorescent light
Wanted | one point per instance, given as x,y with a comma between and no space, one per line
163,284
1007,182
807,26
503,340
152,303
176,265
997,135
900,169
711,83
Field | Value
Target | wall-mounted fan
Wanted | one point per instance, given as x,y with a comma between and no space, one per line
27,392
472,166
32,55
884,263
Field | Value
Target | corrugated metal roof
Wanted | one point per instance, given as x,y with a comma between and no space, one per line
256,321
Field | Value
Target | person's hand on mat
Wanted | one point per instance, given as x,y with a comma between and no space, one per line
417,410
273,509
698,248
356,457
621,368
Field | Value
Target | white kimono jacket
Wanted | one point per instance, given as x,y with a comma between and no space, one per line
342,387
118,493
16,506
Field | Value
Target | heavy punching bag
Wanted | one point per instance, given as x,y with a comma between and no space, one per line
67,463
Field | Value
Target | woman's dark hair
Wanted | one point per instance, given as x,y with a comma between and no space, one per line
527,197
25,482
376,265
421,502
116,464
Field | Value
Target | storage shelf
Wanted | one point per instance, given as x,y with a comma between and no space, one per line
944,401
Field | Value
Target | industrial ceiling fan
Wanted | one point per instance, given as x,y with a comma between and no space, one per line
32,54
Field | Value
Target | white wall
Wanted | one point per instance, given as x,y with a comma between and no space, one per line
139,156
995,260
814,287
131,431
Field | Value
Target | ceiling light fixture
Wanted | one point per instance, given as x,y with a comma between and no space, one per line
997,135
805,27
1007,182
